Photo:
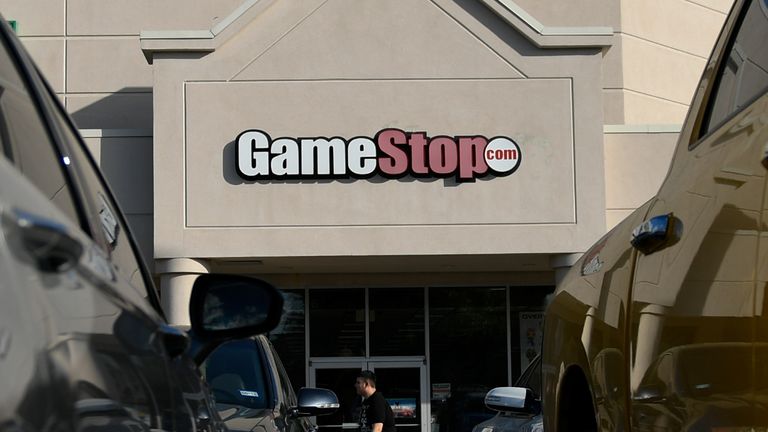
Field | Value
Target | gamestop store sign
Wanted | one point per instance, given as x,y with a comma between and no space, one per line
379,155
391,153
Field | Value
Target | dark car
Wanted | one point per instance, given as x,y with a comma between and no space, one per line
83,342
519,407
662,324
252,391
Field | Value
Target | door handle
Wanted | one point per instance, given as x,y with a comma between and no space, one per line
203,417
49,242
657,233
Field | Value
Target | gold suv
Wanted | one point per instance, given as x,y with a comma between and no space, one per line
663,324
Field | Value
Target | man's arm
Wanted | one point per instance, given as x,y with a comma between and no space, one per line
377,427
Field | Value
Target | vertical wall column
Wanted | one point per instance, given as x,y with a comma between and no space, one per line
177,275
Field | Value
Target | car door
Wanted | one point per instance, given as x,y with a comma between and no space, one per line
586,332
693,298
106,357
23,331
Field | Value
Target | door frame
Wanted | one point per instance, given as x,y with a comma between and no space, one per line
371,363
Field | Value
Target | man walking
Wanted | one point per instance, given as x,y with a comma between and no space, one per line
375,414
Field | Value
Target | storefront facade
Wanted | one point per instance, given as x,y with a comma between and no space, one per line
435,349
415,175
410,173
377,134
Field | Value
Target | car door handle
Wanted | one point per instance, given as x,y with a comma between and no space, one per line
174,341
657,233
49,242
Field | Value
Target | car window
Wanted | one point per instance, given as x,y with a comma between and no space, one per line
27,142
743,74
121,249
104,215
289,397
236,374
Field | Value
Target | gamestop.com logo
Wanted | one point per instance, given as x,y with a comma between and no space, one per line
392,153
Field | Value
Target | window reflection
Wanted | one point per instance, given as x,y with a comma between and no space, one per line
235,305
288,336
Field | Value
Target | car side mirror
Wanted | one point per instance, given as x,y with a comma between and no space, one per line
657,233
513,399
315,402
229,306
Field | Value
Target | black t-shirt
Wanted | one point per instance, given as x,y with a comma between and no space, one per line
376,409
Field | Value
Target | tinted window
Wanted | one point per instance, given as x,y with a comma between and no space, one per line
337,320
288,395
288,336
468,333
396,321
743,74
104,214
27,141
236,373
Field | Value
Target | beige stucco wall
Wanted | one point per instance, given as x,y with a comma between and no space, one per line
661,49
665,44
636,163
553,204
89,50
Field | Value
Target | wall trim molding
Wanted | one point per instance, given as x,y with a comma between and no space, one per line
642,128
206,41
549,37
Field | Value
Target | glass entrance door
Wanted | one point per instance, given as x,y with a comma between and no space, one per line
403,382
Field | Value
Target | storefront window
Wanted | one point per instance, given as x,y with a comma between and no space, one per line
396,321
288,337
468,352
526,325
337,322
